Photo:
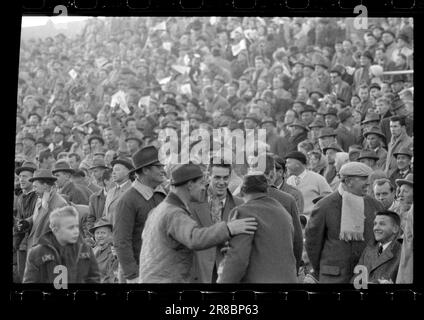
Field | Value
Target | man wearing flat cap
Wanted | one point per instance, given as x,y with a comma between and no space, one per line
267,256
121,168
25,204
132,209
69,190
298,133
171,235
340,226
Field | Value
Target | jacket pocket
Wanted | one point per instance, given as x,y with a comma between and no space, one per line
330,270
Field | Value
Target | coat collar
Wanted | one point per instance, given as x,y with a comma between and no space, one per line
387,254
175,200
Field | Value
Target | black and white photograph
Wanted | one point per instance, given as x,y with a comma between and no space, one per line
214,150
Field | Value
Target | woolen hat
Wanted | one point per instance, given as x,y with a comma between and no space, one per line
327,132
355,169
185,172
368,154
126,162
98,162
43,174
144,157
333,146
27,166
296,155
102,222
62,166
405,151
409,180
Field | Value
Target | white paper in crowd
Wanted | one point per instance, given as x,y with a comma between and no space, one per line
181,69
73,74
236,49
165,80
261,21
100,62
144,101
186,60
120,99
160,26
213,20
186,89
167,46
52,97
202,66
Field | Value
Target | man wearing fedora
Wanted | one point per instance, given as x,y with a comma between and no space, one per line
347,134
398,108
298,133
71,192
216,204
25,205
330,171
132,210
266,256
48,200
171,235
121,168
375,140
340,226
103,251
399,140
369,157
134,143
326,137
59,143
97,168
96,202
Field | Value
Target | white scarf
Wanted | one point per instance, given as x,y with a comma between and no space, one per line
353,217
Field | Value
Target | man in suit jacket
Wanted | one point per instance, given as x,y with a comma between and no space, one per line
266,256
217,202
333,219
381,257
120,176
398,108
70,191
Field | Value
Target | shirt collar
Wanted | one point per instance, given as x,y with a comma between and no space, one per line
303,174
146,191
386,245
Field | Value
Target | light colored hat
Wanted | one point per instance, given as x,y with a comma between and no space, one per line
355,169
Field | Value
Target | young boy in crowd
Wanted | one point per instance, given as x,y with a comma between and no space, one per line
104,252
62,246
381,258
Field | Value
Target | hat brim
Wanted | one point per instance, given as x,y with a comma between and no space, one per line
254,119
325,150
63,170
20,169
367,157
376,133
100,166
401,153
327,135
91,230
126,164
144,165
400,182
42,178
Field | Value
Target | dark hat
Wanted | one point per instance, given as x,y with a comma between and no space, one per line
398,78
368,154
43,174
333,146
98,162
102,222
195,102
397,104
405,151
124,161
267,120
185,172
338,69
42,141
308,108
371,117
303,103
331,111
409,180
26,166
29,136
170,124
375,130
35,114
171,102
94,137
404,37
316,91
134,138
299,123
344,114
195,116
389,32
317,123
368,55
254,181
296,155
327,132
253,116
375,85
62,166
144,157
309,65
79,173
355,148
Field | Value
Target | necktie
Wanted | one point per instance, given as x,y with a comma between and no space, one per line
380,249
216,210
